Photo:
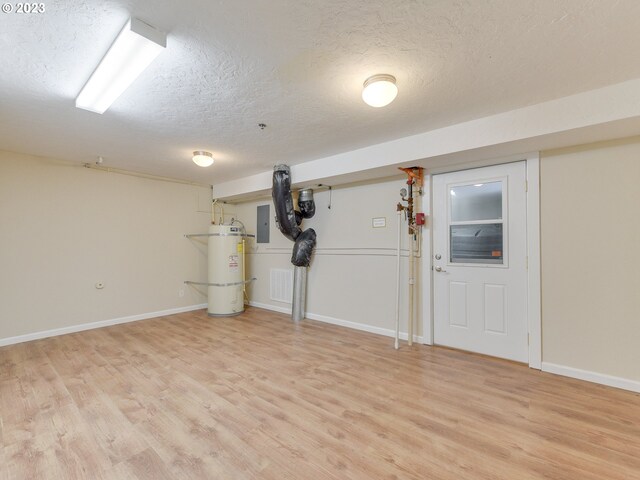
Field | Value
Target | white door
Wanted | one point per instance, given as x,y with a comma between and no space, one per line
480,260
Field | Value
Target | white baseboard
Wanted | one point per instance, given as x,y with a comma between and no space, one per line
601,378
273,308
343,323
89,326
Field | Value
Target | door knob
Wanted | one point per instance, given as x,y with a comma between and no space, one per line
439,269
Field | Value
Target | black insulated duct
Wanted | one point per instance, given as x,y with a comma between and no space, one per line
288,219
303,248
283,203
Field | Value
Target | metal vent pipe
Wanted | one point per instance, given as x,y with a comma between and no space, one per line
288,221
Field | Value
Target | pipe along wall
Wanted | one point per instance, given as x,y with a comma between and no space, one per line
288,221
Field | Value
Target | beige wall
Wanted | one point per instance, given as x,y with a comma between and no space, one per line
352,275
590,257
63,228
590,205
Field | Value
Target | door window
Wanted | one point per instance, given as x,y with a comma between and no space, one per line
475,223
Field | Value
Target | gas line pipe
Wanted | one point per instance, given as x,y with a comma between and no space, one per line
415,176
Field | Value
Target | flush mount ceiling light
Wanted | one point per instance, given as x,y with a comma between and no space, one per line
379,90
202,158
135,47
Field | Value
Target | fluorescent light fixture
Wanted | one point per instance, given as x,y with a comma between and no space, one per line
202,158
133,50
379,90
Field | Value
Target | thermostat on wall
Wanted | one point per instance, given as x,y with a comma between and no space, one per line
379,222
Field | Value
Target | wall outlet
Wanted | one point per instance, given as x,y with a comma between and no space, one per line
181,292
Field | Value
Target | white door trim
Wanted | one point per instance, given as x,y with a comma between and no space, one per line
533,256
426,274
533,252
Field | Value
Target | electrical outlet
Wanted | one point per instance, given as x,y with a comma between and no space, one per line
181,293
100,285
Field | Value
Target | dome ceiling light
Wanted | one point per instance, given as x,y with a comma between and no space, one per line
202,158
379,90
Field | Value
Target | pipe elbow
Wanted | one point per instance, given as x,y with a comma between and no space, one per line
303,248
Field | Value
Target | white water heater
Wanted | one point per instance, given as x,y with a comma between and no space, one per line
226,277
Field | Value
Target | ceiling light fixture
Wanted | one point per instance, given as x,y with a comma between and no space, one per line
135,47
379,90
202,158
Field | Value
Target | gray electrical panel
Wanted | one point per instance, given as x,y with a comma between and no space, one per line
263,224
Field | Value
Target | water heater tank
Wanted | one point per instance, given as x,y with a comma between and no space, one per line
226,284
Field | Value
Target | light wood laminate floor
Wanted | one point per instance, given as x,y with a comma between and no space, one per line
257,397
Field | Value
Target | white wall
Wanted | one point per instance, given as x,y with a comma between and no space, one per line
352,275
590,236
63,228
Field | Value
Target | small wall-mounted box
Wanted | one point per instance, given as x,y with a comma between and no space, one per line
379,222
421,219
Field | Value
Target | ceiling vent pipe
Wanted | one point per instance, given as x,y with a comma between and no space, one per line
288,221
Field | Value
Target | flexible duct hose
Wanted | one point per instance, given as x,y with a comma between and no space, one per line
283,203
288,219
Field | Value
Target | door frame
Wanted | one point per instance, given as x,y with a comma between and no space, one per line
534,317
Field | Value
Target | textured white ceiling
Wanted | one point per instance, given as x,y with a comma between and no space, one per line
297,66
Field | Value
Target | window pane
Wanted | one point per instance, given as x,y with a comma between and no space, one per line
482,201
476,243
